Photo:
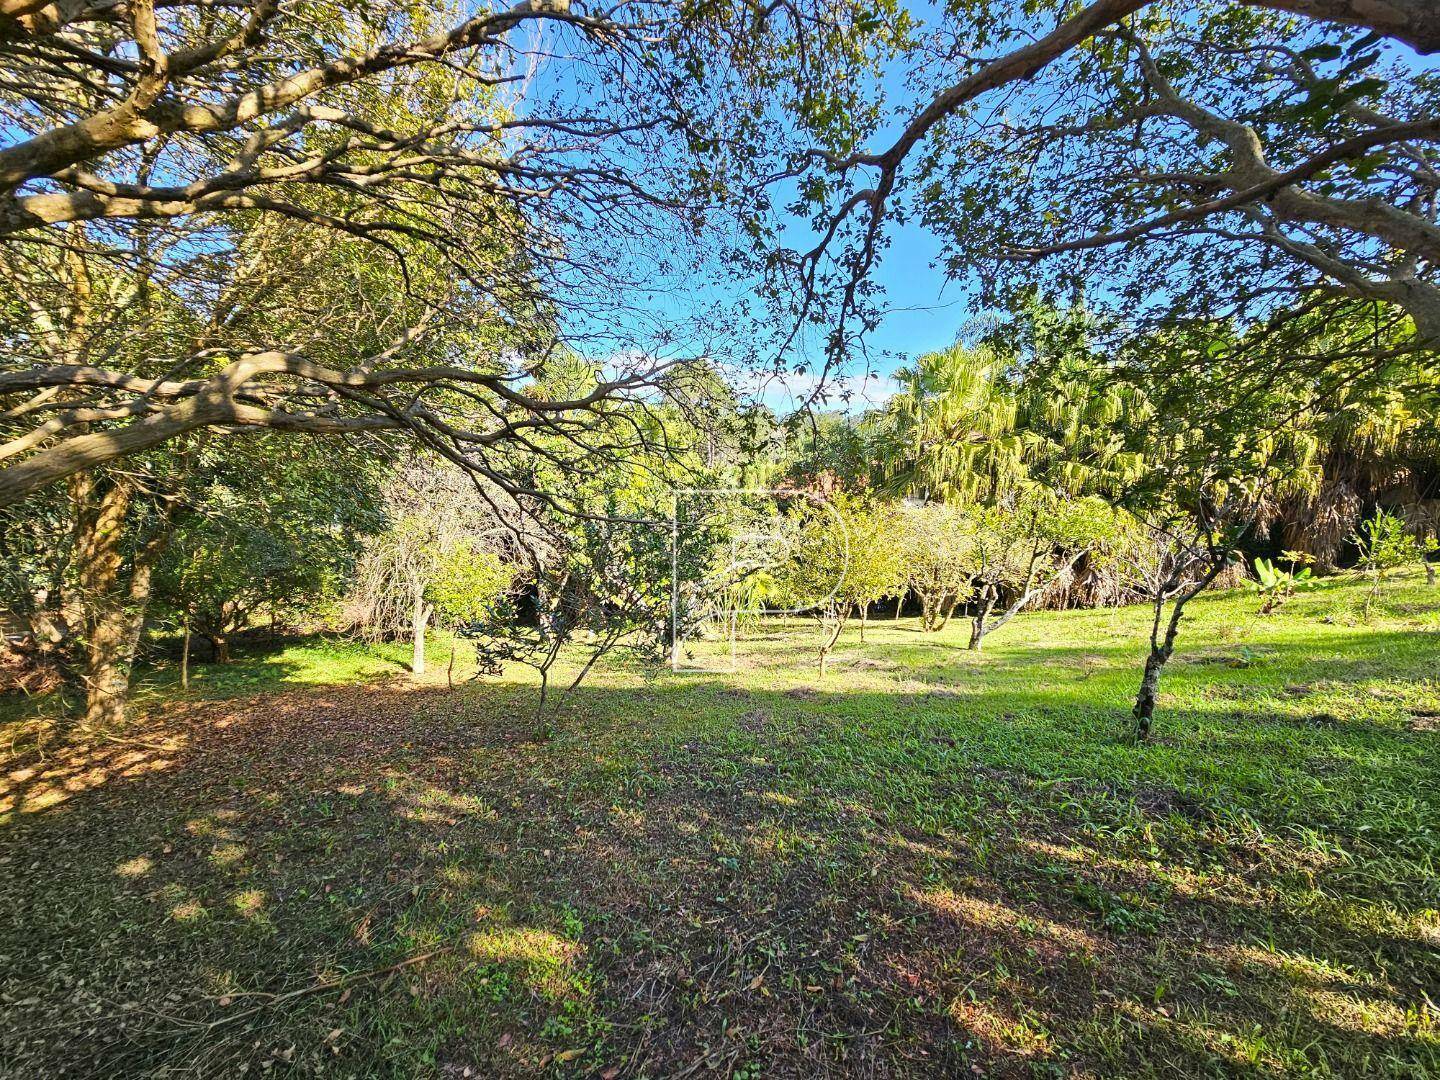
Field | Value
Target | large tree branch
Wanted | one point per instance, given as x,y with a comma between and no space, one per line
144,114
1406,231
246,393
1416,232
1415,22
84,452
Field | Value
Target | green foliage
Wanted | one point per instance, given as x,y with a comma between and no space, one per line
1081,164
847,552
876,565
815,573
471,585
952,430
1386,541
271,525
937,550
1277,584
825,450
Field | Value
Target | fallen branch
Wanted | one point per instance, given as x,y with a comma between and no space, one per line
324,987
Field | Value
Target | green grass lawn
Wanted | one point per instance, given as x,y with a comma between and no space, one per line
933,863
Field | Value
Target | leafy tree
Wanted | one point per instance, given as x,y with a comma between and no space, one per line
951,434
848,553
271,529
1032,408
1208,482
620,564
826,452
437,557
153,138
1187,554
876,566
1077,413
936,545
814,576
110,527
1386,543
1025,548
1221,164
1211,477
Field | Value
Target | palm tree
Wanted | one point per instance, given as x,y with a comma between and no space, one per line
950,435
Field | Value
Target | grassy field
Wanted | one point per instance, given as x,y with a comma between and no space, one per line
934,863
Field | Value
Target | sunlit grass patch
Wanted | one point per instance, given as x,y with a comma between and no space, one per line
139,866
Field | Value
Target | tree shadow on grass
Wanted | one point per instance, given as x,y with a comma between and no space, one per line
689,877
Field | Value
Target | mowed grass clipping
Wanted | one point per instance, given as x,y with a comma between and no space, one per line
932,863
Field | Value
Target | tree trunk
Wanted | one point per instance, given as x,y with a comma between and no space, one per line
99,526
185,659
864,617
734,629
1149,691
1029,591
113,629
219,648
949,609
1371,594
899,603
420,617
111,614
1163,647
977,633
828,644
1430,574
979,621
114,640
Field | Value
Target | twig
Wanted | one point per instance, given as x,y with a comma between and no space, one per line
322,987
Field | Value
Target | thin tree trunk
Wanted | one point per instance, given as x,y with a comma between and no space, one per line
1028,592
864,617
828,644
420,616
978,625
1149,691
185,658
1162,648
978,622
899,603
949,609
